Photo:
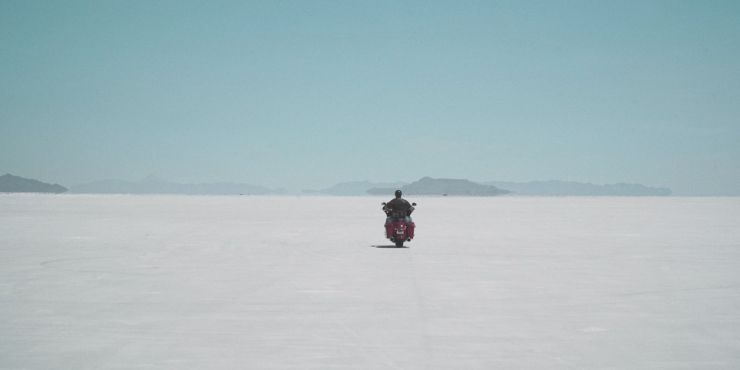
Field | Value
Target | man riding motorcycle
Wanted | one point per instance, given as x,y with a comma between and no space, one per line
398,208
398,224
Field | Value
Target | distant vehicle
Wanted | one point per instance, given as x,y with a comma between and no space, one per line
399,227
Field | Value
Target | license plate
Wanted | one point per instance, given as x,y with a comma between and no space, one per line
399,232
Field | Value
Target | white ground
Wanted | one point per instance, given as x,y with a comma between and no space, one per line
185,282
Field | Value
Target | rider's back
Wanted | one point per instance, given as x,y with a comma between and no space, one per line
399,205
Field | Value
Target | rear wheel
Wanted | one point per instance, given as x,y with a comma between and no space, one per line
399,243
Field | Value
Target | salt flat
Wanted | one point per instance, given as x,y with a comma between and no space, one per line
187,282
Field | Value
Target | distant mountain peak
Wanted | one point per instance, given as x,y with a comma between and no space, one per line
455,187
16,184
434,186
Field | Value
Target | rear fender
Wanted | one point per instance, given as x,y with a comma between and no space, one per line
400,230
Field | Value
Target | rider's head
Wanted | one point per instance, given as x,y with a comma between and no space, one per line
398,193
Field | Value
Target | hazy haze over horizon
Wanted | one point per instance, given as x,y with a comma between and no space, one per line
308,94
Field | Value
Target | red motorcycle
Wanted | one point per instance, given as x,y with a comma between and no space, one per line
398,227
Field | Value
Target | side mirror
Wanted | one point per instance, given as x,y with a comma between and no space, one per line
413,204
382,204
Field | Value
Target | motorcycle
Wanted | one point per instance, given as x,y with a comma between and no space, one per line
397,229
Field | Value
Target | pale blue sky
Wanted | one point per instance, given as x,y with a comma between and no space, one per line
305,94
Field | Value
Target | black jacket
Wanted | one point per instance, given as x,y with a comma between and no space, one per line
398,207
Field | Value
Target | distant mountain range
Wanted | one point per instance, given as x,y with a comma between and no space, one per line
570,188
453,187
462,187
153,185
424,186
16,184
355,188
